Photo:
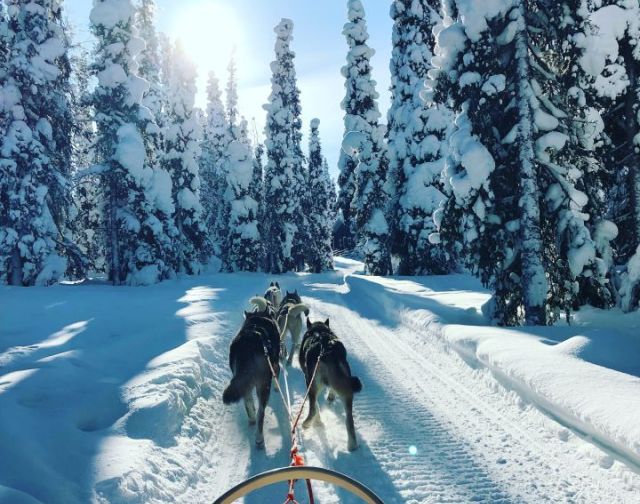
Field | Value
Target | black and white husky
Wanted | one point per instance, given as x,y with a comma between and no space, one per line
274,295
250,367
333,372
290,321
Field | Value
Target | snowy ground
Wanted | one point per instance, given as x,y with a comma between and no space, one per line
113,395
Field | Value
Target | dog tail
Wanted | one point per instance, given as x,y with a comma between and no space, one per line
236,389
356,384
298,309
260,302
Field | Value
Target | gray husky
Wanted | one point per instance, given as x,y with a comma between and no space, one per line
250,368
333,372
274,295
289,320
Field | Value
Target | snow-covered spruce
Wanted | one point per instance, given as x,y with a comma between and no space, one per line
36,146
361,117
319,252
417,142
88,202
611,61
213,162
284,172
182,144
133,193
513,130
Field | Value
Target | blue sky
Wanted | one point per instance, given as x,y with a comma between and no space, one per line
211,28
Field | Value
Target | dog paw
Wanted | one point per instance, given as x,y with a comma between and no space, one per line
307,423
352,445
260,444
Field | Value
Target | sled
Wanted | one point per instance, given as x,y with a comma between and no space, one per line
299,473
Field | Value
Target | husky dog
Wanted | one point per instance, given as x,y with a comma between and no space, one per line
250,368
273,294
262,304
333,372
289,320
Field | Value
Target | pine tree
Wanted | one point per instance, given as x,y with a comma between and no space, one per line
243,233
213,164
136,251
320,256
88,199
182,137
361,116
36,148
284,179
417,133
232,95
514,130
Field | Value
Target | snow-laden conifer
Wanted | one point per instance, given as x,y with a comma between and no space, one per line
320,256
182,144
369,177
213,163
417,133
134,190
36,145
284,175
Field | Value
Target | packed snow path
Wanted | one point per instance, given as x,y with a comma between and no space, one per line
431,427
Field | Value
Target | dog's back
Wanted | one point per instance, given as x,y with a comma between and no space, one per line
247,358
333,370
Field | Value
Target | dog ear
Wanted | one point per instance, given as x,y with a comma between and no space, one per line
295,291
246,313
271,284
308,324
326,322
277,285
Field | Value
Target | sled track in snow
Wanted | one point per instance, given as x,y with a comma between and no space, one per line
470,445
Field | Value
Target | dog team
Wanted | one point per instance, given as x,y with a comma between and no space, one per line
258,349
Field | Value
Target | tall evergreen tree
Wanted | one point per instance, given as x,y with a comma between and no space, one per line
320,256
213,164
417,146
284,179
88,199
136,251
36,148
513,130
182,137
362,116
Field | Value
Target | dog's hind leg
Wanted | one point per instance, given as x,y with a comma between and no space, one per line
263,389
295,328
250,408
314,414
352,443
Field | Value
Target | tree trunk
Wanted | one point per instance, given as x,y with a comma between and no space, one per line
534,283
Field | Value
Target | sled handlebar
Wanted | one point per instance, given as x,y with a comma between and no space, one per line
299,473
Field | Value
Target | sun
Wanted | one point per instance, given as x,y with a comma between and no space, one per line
209,31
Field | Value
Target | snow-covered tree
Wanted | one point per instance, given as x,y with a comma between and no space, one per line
417,133
515,158
150,61
88,202
36,146
284,172
243,236
361,117
134,190
213,162
232,93
319,253
182,138
611,61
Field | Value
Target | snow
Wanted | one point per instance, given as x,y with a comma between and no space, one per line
113,395
130,151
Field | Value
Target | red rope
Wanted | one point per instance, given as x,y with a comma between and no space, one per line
297,459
